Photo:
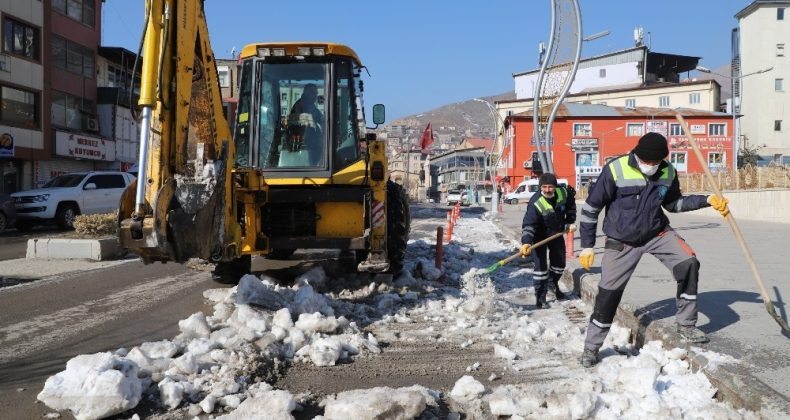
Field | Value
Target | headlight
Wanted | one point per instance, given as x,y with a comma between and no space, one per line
40,198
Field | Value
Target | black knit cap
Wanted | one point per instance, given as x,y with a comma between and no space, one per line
547,179
651,147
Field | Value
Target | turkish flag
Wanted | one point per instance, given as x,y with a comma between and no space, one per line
427,139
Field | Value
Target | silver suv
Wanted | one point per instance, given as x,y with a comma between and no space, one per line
65,196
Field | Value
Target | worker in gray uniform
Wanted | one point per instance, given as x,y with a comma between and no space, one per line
635,189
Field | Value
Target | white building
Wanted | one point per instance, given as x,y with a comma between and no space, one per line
764,32
114,106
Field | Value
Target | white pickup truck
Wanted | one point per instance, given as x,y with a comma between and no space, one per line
65,196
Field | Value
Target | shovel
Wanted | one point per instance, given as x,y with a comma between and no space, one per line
769,305
501,263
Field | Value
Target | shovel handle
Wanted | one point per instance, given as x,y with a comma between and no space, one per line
733,225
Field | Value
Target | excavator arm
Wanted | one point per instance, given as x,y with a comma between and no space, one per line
182,205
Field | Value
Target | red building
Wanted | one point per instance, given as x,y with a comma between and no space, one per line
585,137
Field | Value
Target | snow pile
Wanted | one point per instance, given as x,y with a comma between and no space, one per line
209,364
94,386
379,403
217,364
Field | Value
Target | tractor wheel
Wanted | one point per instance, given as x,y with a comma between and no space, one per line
230,272
398,225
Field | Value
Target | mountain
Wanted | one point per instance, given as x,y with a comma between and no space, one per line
468,118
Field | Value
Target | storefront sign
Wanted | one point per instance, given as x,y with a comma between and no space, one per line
79,146
6,145
708,143
659,127
589,170
697,128
578,145
543,143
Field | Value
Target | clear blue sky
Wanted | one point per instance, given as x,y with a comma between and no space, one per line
424,54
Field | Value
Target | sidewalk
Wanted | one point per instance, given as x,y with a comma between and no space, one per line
731,309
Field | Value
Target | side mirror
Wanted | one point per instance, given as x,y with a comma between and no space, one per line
378,114
89,186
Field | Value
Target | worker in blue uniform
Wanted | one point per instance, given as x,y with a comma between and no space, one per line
635,189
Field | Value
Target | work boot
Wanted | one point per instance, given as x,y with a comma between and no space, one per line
555,287
692,334
540,296
589,358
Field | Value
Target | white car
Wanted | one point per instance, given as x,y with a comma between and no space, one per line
526,189
457,196
65,196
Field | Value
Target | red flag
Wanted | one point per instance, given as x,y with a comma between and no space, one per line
427,139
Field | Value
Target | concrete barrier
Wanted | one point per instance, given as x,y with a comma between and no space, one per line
758,205
60,248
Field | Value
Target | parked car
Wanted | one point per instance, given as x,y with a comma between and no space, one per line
7,211
457,195
65,196
526,189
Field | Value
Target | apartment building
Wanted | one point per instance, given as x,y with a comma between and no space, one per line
586,136
22,92
761,44
116,109
72,34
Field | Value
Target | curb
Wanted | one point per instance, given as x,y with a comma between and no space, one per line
735,383
59,248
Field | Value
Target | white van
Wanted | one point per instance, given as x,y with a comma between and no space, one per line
525,190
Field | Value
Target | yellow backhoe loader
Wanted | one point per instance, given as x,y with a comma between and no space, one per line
298,170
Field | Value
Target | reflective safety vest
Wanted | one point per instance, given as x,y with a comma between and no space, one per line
543,205
626,175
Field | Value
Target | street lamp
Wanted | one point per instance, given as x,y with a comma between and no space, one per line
603,140
735,137
492,172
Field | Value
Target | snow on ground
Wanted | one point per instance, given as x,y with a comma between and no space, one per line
217,364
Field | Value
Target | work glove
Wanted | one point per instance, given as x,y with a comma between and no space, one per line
570,227
587,258
720,204
525,250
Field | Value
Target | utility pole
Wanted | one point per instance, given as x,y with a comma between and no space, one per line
408,166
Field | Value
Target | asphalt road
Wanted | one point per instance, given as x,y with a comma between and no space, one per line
47,322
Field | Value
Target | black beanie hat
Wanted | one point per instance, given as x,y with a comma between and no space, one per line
547,179
652,146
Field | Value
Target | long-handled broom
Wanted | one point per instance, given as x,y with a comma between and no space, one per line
501,263
769,305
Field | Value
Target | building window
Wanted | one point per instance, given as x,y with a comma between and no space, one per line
678,160
224,76
79,10
71,111
602,73
73,57
19,107
676,130
663,101
20,39
780,13
586,159
717,129
694,98
582,130
777,125
634,129
630,103
780,50
716,160
779,85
